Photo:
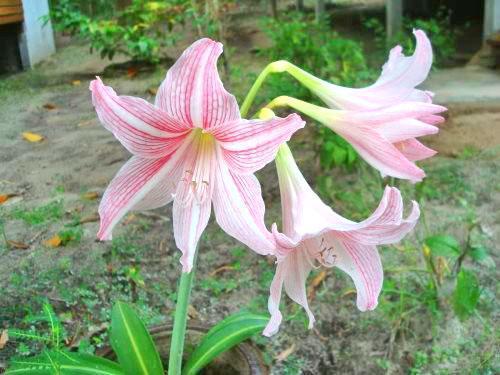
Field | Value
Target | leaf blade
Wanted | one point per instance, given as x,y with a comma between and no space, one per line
132,343
222,337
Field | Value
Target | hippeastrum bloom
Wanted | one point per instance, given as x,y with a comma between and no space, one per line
381,121
384,137
191,147
397,83
314,235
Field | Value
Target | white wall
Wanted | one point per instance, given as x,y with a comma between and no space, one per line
37,40
491,17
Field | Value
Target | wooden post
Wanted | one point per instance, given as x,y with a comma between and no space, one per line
491,22
394,17
320,10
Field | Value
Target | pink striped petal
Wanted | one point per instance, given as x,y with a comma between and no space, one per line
401,130
362,263
192,90
140,184
414,150
291,273
143,129
192,203
239,209
400,75
248,145
379,152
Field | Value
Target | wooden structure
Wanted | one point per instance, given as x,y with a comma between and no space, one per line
11,11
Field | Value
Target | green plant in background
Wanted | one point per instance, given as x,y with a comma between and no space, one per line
140,30
316,48
439,28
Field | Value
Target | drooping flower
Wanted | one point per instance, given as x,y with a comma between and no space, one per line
314,235
381,121
191,147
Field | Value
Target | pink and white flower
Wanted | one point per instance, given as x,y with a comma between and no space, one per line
191,147
314,235
382,121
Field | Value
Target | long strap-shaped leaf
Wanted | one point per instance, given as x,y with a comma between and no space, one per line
64,363
132,343
222,337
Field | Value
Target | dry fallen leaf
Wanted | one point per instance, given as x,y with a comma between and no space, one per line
152,90
90,219
5,197
129,219
4,339
192,312
285,353
55,241
18,245
76,82
316,282
91,195
49,106
221,269
132,72
86,123
32,137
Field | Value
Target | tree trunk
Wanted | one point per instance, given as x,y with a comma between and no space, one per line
299,5
320,10
274,8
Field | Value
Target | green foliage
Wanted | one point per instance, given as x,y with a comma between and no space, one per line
50,212
319,50
438,28
132,343
64,363
140,30
222,337
443,245
466,295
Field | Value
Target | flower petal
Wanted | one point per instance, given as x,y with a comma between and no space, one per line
248,145
192,90
414,150
379,152
292,272
145,130
362,263
239,209
400,75
192,203
273,303
401,130
140,184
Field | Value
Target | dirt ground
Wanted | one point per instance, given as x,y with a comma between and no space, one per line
81,279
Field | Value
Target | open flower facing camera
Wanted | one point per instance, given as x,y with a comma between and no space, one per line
194,147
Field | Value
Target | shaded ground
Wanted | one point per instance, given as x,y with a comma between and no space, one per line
82,278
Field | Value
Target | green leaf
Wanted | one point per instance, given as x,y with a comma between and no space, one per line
132,343
478,253
64,363
442,245
222,337
466,295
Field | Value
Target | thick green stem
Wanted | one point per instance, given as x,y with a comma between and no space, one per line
180,321
274,67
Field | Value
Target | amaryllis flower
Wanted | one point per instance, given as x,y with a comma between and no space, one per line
381,121
191,147
314,235
397,83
